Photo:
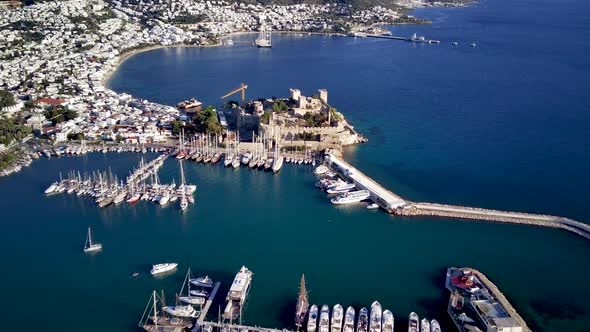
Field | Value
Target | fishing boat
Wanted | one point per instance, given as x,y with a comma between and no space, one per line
424,325
375,318
434,326
362,323
349,320
302,304
387,321
351,197
202,281
325,319
312,320
90,246
413,322
337,318
162,268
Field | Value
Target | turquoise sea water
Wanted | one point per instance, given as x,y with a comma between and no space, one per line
502,125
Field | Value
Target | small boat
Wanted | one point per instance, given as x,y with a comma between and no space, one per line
164,267
89,246
52,188
373,206
192,300
434,326
413,322
325,319
362,323
202,281
349,320
135,274
455,43
312,321
268,164
337,318
375,318
320,170
424,325
472,44
199,293
134,199
387,321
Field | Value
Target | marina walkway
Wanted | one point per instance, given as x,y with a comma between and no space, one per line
208,303
209,326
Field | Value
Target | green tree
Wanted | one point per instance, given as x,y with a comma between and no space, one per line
6,99
265,118
206,121
280,106
334,115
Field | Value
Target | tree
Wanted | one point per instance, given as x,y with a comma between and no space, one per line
75,136
206,121
176,126
58,114
334,115
6,99
265,118
280,106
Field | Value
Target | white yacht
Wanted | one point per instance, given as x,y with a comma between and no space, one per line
388,321
192,300
337,318
413,322
325,319
89,246
375,318
362,323
186,311
418,39
164,199
349,320
164,267
52,188
199,293
202,282
312,321
424,325
434,326
341,188
351,197
320,170
265,35
246,158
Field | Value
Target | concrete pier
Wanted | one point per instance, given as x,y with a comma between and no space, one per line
209,326
207,306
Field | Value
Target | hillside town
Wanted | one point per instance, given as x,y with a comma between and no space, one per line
55,57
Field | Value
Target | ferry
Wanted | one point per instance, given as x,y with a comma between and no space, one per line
434,326
164,267
413,322
388,321
424,325
337,315
202,281
362,323
351,197
312,321
341,188
325,319
349,320
185,311
375,318
237,293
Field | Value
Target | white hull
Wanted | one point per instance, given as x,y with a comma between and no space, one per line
163,268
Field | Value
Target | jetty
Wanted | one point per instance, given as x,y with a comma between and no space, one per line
394,204
208,303
207,326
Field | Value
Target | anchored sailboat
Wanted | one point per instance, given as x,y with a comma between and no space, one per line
89,246
302,304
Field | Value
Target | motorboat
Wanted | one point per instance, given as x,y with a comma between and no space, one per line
434,326
312,320
341,188
199,293
321,169
362,323
413,322
324,319
387,321
162,268
375,317
202,282
337,318
192,300
185,311
424,325
351,197
349,320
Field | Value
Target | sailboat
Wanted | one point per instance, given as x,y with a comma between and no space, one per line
278,159
264,38
89,246
183,198
302,304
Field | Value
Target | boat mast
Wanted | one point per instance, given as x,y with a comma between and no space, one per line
89,237
155,311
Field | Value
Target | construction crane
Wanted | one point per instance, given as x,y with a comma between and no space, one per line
242,88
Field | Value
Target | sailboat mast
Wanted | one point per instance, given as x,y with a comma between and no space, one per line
89,237
155,311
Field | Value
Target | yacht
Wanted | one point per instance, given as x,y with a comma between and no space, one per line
202,282
192,300
337,316
418,39
164,199
434,326
52,188
388,321
268,164
89,246
235,163
455,43
325,319
264,38
373,206
351,197
246,158
277,164
161,268
312,321
413,322
199,293
362,323
424,325
186,311
228,159
320,170
341,188
375,318
349,320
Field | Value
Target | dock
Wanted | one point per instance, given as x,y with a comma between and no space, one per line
207,306
426,41
210,326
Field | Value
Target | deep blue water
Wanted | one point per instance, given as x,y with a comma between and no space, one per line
502,125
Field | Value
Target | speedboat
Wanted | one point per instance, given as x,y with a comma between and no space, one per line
186,311
413,322
337,315
387,321
164,267
202,281
349,320
325,319
199,293
312,321
375,318
362,323
192,300
424,325
434,326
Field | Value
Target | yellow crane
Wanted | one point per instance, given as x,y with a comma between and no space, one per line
242,88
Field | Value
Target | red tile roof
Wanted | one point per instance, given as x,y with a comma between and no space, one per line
50,101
